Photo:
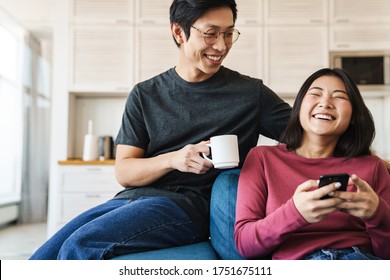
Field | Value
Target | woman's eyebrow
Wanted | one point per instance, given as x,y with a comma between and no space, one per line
340,90
336,90
316,88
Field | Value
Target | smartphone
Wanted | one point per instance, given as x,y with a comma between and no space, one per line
327,179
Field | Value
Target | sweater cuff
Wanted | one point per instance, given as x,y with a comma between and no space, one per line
379,216
294,214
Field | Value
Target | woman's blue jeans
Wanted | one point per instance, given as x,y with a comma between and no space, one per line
352,253
119,227
223,214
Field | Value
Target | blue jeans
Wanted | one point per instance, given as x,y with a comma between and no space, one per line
352,253
118,227
223,214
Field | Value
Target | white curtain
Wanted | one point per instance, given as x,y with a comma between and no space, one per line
33,207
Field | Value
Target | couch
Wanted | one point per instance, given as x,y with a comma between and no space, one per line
221,243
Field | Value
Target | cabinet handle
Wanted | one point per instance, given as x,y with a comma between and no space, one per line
316,21
125,89
122,21
342,20
148,21
343,45
92,195
251,21
94,169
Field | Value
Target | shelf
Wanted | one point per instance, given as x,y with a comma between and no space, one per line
84,162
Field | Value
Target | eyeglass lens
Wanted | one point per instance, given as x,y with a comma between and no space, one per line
212,35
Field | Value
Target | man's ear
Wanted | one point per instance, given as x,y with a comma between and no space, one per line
177,33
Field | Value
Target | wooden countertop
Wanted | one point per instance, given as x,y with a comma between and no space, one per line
77,161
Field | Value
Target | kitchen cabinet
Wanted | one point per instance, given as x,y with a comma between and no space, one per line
80,186
102,11
246,55
101,58
286,12
376,105
101,45
292,54
250,12
359,12
295,42
152,12
359,25
155,51
359,37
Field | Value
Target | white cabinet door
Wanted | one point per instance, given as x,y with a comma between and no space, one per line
250,12
155,51
245,56
73,204
79,188
102,11
359,11
295,12
376,106
292,54
101,58
152,12
360,37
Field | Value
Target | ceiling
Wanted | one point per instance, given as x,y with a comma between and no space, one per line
35,15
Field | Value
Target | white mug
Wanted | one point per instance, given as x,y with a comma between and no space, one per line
224,151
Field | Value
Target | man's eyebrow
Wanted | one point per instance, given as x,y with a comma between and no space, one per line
217,26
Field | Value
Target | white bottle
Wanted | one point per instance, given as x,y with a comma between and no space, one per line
90,151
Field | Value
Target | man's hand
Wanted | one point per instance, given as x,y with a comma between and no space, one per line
189,158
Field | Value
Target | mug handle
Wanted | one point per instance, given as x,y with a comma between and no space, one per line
206,157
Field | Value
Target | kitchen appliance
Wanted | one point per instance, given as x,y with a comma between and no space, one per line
106,147
90,150
369,69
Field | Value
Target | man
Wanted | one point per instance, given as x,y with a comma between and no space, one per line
166,125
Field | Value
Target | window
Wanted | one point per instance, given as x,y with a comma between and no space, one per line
11,128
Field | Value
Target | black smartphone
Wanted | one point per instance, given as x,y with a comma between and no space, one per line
327,179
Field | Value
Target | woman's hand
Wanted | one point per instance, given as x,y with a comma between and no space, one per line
307,200
361,204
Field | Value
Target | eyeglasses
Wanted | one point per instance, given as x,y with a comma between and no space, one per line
211,36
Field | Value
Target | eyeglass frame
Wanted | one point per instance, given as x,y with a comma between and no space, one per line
219,34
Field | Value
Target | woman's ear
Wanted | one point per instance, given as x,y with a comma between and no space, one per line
177,33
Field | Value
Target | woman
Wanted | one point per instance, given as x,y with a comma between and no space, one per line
280,213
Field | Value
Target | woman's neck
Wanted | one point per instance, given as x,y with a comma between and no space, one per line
316,149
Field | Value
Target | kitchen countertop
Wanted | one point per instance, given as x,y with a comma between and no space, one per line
77,161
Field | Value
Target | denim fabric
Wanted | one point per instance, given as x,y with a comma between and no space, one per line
352,253
120,227
223,214
197,251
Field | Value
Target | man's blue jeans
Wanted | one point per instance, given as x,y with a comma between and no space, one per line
118,227
352,253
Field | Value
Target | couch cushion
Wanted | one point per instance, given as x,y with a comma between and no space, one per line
197,251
